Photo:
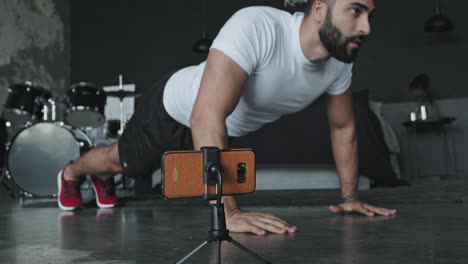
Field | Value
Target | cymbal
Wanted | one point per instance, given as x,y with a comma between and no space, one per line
122,94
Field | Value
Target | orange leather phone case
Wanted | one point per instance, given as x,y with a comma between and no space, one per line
182,173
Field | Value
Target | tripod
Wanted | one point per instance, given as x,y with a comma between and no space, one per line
212,175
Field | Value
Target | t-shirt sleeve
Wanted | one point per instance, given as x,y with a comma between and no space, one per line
245,38
342,81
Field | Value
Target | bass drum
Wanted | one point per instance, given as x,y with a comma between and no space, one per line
36,155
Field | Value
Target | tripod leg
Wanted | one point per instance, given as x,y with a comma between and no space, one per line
193,252
248,251
219,251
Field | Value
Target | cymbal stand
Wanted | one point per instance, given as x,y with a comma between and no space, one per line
122,126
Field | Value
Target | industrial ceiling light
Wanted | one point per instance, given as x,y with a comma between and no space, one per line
203,44
438,22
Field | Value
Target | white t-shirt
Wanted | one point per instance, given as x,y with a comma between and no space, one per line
264,41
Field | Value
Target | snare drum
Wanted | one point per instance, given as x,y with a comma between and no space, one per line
87,102
38,152
23,103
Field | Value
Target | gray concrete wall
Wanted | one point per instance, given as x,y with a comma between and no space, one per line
34,44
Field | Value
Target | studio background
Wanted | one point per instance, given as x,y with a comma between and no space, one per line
58,43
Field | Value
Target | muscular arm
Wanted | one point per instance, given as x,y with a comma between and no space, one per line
345,151
344,142
221,87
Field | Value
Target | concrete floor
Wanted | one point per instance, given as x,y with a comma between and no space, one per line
431,227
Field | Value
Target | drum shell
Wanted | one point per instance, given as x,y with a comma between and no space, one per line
86,105
23,103
38,152
87,97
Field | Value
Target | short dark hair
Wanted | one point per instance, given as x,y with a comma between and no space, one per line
308,7
421,81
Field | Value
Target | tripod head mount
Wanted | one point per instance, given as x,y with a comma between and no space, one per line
212,173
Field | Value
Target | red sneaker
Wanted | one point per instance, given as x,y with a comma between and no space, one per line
69,193
105,192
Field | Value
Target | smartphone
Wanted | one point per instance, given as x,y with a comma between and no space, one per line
182,173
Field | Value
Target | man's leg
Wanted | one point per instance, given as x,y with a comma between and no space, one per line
101,164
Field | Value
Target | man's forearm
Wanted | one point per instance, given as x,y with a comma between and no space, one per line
209,134
230,205
345,152
209,131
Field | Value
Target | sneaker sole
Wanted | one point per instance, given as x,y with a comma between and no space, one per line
99,204
63,207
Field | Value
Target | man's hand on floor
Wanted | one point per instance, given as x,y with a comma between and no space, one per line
257,223
361,207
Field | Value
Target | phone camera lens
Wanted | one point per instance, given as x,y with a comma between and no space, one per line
241,173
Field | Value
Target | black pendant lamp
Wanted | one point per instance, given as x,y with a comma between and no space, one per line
438,22
203,44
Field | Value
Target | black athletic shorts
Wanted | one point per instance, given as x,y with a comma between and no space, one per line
149,133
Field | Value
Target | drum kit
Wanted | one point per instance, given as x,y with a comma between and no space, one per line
44,133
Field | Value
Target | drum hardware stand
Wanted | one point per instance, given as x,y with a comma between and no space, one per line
10,186
212,176
45,111
122,181
121,94
122,125
121,106
5,178
6,185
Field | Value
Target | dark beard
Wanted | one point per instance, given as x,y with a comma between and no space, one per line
336,43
